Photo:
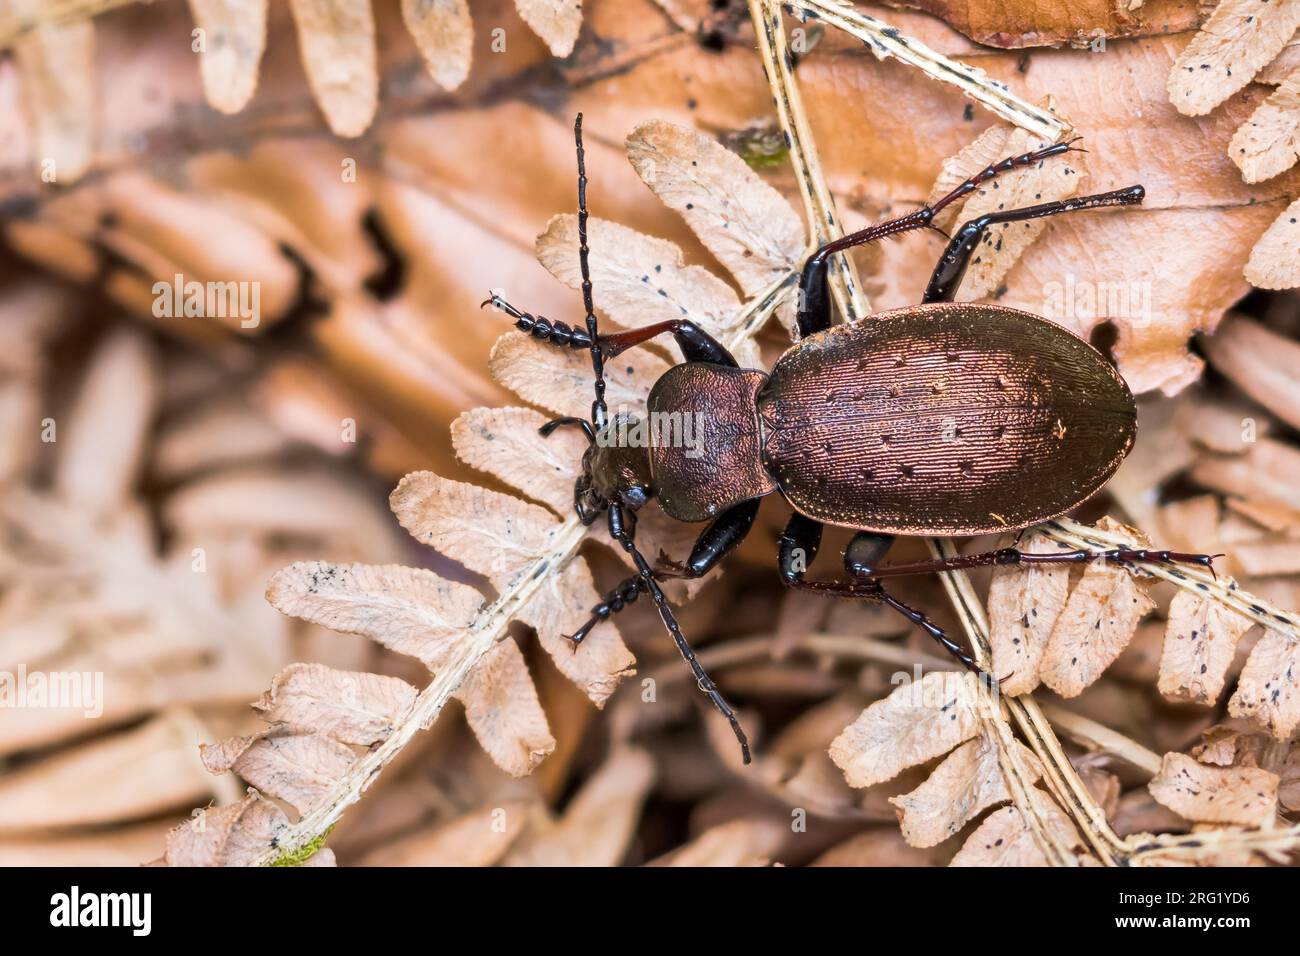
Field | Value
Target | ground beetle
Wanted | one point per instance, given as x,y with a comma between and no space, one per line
944,418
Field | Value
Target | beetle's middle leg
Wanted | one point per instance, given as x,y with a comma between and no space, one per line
696,344
799,544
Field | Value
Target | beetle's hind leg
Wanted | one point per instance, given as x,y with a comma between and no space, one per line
957,256
1004,557
814,305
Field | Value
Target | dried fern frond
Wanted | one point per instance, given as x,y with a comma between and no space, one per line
1041,628
55,43
1239,41
527,552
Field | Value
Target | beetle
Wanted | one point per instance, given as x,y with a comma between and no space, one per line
941,419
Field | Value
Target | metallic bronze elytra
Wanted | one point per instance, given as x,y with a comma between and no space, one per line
928,420
943,418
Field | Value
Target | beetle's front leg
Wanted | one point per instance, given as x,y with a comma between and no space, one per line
715,542
622,528
540,327
696,344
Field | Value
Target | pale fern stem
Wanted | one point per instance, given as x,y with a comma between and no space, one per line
885,41
490,626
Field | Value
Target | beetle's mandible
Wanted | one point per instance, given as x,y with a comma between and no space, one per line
943,418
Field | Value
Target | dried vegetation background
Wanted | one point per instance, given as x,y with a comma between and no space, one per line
204,526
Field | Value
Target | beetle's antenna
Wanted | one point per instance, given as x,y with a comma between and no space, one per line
598,411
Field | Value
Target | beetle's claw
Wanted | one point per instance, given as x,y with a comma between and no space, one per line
581,633
666,567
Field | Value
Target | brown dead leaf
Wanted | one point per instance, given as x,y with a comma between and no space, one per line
410,610
1024,604
1283,65
489,532
1268,690
1269,142
555,21
1268,557
964,785
1259,362
917,722
1236,743
85,786
879,847
603,661
1002,245
58,69
296,768
415,612
1019,25
1200,641
505,442
233,835
637,279
1242,795
738,843
1235,43
1275,259
597,826
1139,812
561,381
504,712
1103,786
1265,473
479,838
103,439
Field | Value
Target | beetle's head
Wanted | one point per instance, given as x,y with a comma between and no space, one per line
616,467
